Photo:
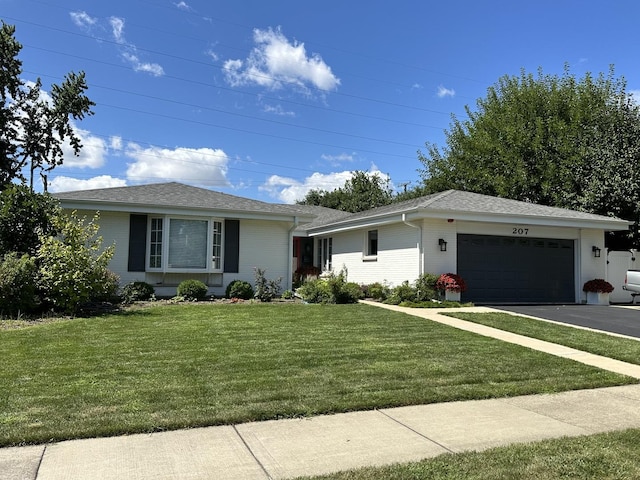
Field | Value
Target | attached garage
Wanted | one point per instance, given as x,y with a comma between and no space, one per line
505,250
517,269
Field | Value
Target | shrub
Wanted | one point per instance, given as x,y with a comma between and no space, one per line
303,274
451,282
17,284
377,291
137,291
597,285
316,291
239,289
72,267
287,295
426,287
331,289
266,290
192,290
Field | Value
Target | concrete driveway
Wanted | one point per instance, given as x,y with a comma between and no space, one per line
624,320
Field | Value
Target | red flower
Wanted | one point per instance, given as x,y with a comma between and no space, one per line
597,285
451,282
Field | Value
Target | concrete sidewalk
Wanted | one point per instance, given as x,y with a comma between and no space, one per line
312,446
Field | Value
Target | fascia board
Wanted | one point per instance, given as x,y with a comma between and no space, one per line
156,210
414,215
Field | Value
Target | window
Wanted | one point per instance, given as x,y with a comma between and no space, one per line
325,251
155,250
372,243
216,257
185,244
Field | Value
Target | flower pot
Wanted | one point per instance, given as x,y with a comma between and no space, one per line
597,298
451,296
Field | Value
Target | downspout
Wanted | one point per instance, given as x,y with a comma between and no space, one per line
289,284
420,256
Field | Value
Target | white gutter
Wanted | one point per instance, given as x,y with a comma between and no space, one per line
420,254
288,283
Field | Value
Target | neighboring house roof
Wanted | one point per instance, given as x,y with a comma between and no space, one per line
459,205
173,196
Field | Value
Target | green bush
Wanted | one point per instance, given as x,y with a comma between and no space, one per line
266,290
17,284
288,295
331,289
402,293
316,291
239,289
72,266
137,291
426,287
378,291
192,290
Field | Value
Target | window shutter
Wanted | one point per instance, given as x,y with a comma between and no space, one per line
137,243
231,246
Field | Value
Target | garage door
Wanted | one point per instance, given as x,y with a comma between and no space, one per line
516,270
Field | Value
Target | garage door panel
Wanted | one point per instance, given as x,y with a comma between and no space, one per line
512,270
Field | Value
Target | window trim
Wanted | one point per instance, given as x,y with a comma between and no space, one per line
325,254
166,231
368,253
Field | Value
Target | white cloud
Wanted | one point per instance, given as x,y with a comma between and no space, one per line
153,68
275,62
117,29
83,19
204,166
278,110
338,159
289,190
445,92
115,143
91,155
183,6
128,51
68,184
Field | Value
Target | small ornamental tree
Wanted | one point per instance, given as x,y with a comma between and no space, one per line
73,265
451,282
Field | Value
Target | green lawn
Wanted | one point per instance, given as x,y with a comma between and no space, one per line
176,366
605,456
624,349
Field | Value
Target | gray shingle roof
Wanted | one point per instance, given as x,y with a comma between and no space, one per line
176,195
179,195
455,201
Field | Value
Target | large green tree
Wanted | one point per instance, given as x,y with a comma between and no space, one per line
550,139
361,192
34,126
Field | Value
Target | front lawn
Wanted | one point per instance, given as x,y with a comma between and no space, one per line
177,366
623,349
607,455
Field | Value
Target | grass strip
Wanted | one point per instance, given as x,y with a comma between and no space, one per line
624,349
178,366
610,455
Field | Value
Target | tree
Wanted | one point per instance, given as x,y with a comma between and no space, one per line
361,192
25,216
73,266
34,127
552,140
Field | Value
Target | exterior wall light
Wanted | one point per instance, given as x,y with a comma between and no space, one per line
443,245
596,251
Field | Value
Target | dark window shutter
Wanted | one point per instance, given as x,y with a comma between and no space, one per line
137,243
231,246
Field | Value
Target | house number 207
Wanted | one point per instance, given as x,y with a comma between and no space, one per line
520,231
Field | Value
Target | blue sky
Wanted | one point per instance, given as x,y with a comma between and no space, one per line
270,99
